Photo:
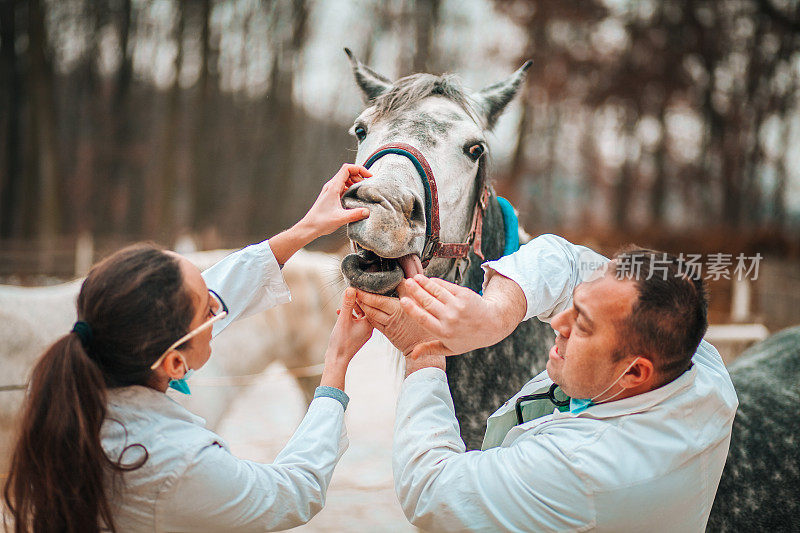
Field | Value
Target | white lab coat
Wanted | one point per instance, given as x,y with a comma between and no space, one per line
651,462
190,481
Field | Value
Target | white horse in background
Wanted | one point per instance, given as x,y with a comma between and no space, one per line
294,334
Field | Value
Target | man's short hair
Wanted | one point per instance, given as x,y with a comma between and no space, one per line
670,316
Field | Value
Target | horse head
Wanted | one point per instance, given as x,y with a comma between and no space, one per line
441,130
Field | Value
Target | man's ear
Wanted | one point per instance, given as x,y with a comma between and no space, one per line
641,373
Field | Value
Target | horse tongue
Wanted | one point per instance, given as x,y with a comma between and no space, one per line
410,264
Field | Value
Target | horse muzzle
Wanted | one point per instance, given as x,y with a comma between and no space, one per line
386,243
388,237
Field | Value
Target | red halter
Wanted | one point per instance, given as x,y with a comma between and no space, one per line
434,248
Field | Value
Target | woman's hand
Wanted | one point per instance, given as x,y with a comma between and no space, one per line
327,214
348,336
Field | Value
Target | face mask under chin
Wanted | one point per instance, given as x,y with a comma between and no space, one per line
577,405
180,384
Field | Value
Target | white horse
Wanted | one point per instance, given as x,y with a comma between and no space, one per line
426,124
294,334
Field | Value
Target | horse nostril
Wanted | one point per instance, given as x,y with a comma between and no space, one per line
351,197
415,212
393,199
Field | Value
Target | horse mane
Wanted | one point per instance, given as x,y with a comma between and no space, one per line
414,88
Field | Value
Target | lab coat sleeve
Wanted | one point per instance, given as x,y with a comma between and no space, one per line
218,492
547,269
249,281
709,358
533,485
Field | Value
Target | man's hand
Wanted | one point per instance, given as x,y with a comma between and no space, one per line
387,316
327,214
457,317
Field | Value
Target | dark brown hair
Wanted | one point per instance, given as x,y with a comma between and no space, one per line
669,318
136,305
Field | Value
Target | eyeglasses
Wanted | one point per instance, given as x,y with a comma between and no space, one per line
218,311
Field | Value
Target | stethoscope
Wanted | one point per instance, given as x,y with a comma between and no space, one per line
549,395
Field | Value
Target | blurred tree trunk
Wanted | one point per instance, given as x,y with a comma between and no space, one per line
731,170
711,152
592,171
203,176
275,179
380,14
89,134
426,21
755,111
553,187
626,179
166,212
622,195
658,192
119,111
11,173
46,202
778,199
518,171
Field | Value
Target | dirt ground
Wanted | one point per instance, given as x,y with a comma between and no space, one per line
361,496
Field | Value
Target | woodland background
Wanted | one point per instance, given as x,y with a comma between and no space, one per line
671,123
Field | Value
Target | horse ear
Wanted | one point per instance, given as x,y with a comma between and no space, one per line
370,82
493,99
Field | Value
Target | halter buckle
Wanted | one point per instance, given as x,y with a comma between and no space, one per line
429,250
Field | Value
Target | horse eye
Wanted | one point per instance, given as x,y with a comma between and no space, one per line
361,133
476,151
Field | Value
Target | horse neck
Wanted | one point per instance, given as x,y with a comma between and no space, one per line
493,242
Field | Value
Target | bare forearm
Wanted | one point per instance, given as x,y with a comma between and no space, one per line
286,243
507,306
335,369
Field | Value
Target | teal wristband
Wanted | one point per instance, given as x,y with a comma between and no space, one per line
324,391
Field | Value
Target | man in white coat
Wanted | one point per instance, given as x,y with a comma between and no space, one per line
627,429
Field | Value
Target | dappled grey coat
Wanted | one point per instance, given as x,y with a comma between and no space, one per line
481,380
760,486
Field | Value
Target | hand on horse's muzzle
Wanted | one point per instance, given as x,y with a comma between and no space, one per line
386,315
329,212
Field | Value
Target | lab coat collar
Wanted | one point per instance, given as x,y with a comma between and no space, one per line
630,405
634,404
145,399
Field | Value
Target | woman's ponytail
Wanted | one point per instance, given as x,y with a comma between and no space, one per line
57,479
132,305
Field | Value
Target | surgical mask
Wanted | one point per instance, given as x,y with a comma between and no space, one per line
578,405
180,384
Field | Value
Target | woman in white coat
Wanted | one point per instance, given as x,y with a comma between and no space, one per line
102,447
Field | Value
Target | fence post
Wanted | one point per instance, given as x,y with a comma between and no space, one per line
740,299
84,253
